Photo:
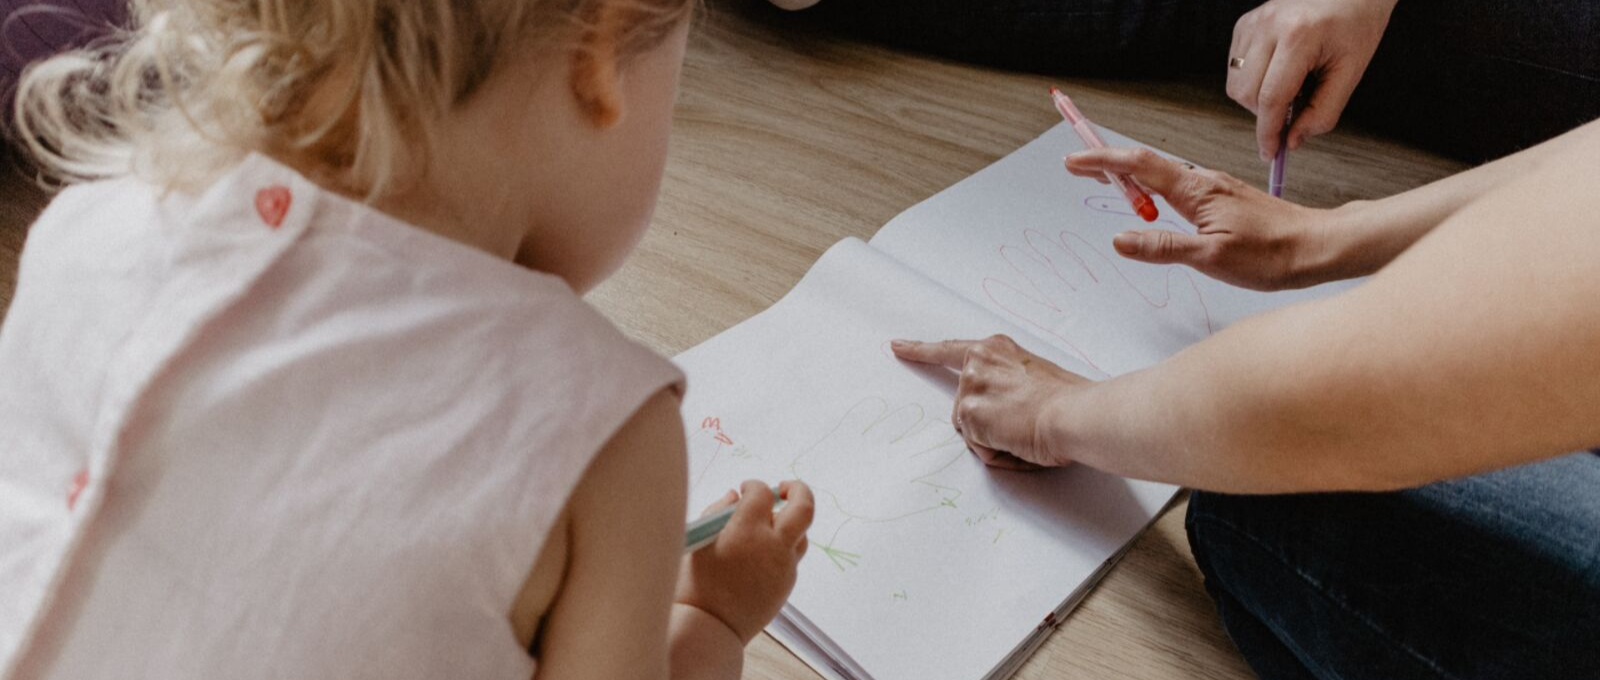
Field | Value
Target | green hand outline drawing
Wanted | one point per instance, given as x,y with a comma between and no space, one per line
903,445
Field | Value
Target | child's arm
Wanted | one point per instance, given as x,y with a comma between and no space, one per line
611,619
731,589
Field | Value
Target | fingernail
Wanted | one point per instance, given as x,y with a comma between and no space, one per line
900,344
1126,243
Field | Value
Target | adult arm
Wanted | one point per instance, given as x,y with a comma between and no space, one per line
1477,348
1250,239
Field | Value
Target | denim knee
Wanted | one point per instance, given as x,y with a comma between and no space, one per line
1490,576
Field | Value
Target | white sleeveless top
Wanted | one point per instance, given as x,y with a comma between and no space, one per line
268,432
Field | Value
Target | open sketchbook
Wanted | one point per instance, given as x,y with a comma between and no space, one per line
924,564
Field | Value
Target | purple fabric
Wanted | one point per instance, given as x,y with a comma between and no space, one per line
34,29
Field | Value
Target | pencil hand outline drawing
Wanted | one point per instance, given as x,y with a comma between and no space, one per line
879,463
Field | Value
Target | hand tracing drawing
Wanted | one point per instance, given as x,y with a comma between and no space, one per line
879,463
928,565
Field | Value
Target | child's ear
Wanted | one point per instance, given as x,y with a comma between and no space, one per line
596,79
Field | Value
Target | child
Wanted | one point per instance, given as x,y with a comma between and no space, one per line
273,403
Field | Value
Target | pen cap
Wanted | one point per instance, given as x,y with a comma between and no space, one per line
1068,109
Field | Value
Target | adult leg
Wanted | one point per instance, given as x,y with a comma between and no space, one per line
1479,79
1494,576
1080,37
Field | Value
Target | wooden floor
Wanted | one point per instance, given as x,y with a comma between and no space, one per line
787,141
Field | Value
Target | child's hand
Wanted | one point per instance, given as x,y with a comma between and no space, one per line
744,578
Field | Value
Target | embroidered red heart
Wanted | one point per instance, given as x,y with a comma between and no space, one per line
79,481
272,204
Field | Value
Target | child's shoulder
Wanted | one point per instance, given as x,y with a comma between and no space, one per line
266,271
96,218
357,262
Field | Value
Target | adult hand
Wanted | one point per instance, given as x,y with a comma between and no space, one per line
1244,236
1004,398
1284,41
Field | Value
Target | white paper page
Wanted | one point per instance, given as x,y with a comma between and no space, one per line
924,565
1032,243
795,631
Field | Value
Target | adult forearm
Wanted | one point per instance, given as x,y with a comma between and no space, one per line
1475,350
1297,400
1362,237
1230,414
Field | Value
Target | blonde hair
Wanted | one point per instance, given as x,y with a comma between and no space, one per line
350,91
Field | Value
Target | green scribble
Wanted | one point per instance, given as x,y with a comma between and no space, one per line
947,445
989,516
840,558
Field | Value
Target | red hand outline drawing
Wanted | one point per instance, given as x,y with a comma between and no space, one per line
1061,285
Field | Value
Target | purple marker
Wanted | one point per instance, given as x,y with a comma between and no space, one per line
1275,180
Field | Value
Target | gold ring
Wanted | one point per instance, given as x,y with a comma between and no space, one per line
1236,62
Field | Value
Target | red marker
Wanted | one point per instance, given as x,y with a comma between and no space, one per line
1136,196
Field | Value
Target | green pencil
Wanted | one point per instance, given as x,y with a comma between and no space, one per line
703,532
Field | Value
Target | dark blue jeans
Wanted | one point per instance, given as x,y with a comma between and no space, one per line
1494,576
1474,79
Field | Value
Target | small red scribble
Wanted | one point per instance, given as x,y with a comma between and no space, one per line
713,425
76,487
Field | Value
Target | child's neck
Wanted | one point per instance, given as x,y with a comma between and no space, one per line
478,217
